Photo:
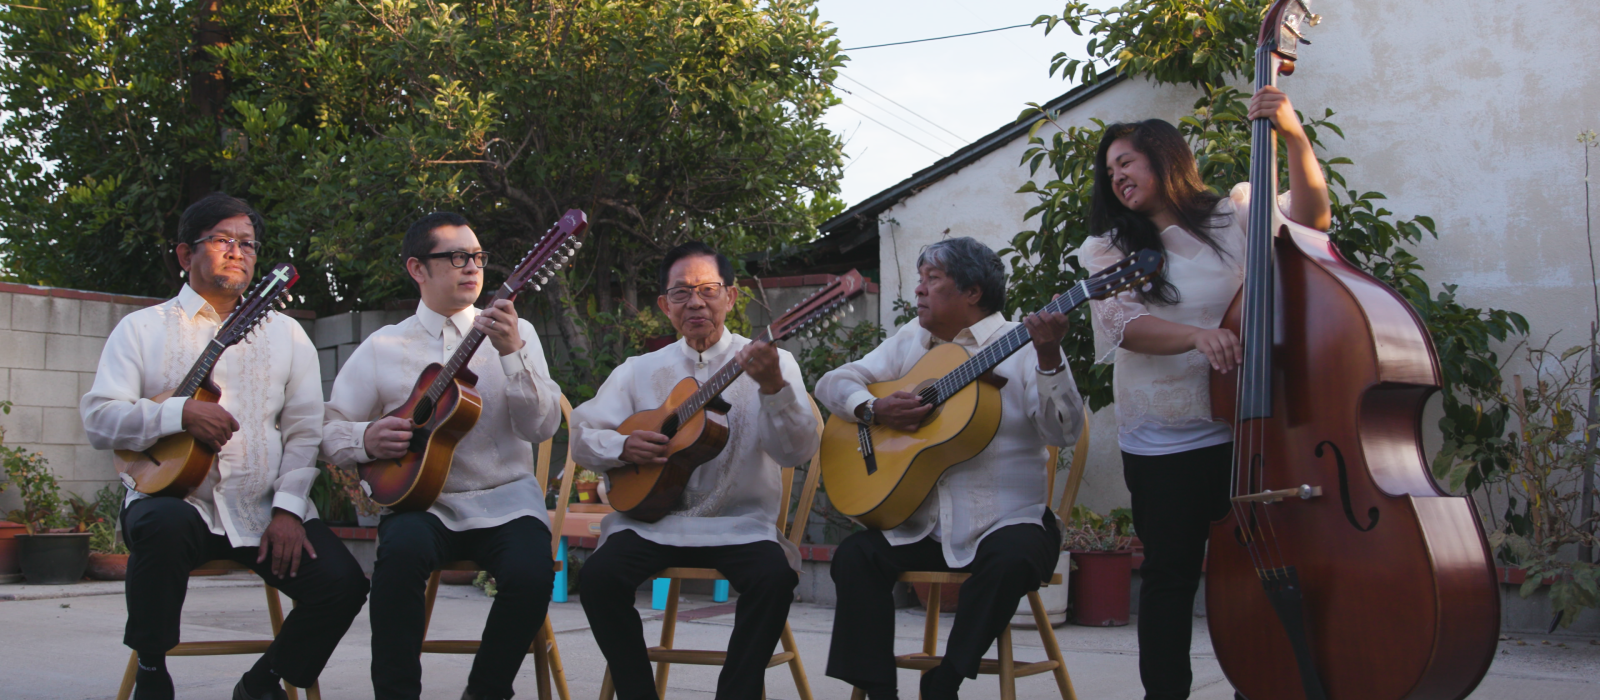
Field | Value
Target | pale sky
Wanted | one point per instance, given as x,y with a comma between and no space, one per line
969,86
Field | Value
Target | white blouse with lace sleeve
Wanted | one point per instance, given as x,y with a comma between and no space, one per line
1165,400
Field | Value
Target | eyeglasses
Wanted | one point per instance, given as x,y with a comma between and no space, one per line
458,258
223,244
708,291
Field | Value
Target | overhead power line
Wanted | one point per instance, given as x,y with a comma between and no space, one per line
868,88
937,38
864,100
869,118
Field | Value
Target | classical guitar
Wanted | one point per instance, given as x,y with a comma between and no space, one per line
178,463
444,404
694,414
879,476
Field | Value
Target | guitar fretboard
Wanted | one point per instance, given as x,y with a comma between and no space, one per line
201,369
712,388
463,354
990,357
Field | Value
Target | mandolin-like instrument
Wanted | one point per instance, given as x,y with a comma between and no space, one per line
444,404
178,463
879,476
1343,571
694,414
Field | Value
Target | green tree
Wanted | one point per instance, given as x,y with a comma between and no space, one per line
346,120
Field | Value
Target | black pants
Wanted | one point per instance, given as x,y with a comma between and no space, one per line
1175,499
410,547
167,539
1010,562
759,571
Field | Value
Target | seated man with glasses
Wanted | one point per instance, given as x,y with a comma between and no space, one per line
255,506
492,508
727,519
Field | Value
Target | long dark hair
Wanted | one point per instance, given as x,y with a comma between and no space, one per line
1178,185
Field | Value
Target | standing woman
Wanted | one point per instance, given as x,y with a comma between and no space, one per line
1165,339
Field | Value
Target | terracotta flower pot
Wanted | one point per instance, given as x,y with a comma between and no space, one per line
588,492
108,567
1099,588
53,558
8,548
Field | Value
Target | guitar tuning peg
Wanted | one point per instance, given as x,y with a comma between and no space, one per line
850,307
577,243
537,288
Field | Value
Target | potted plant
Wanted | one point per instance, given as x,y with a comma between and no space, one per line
1102,566
50,552
366,510
9,566
586,487
108,554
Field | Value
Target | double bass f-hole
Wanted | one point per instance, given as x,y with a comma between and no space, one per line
1344,489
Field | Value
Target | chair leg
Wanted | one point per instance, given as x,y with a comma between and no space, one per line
557,672
930,629
1052,648
1008,668
541,664
274,609
669,625
427,605
294,693
127,676
607,690
801,685
315,691
858,694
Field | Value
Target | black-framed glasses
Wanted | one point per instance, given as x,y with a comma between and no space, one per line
458,258
223,244
708,291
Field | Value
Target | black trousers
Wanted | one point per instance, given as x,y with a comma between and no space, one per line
1010,562
759,571
410,547
1176,497
167,539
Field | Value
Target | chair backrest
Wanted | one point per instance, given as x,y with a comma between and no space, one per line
794,527
1080,455
541,472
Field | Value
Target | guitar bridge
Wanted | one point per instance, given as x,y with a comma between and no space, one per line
864,436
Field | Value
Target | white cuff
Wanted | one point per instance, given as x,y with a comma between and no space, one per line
777,400
290,503
855,400
515,363
172,416
360,439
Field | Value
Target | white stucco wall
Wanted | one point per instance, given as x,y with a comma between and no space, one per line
1466,111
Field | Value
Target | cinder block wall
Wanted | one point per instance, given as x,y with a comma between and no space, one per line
50,343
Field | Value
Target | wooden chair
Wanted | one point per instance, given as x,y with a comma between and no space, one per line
1006,667
546,655
665,655
244,646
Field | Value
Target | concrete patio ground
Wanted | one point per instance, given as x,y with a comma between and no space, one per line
54,647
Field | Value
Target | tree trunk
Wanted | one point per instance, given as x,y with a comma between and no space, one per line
208,92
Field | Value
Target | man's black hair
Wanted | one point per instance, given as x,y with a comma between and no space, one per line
213,209
693,248
419,237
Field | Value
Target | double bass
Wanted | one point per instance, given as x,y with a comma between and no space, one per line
1342,572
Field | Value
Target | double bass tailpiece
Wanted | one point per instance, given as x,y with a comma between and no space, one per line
1304,492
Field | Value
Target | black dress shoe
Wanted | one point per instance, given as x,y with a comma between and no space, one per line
276,692
469,695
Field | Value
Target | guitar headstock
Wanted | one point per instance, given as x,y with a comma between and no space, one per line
553,250
1127,273
272,291
829,302
1281,30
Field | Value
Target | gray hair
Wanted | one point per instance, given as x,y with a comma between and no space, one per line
969,264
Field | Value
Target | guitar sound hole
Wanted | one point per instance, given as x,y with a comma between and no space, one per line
423,411
669,427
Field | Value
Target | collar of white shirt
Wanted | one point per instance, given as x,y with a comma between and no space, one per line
716,350
975,335
192,303
433,321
